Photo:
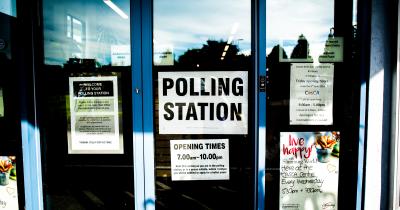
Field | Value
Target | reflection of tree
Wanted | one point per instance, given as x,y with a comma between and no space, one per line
301,50
278,75
209,57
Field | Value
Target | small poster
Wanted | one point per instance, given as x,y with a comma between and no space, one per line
8,183
207,102
1,103
311,94
200,159
333,51
94,127
120,55
309,169
163,55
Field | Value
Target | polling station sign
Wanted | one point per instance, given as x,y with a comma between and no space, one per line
206,102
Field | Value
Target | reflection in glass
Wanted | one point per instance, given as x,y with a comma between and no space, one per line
89,29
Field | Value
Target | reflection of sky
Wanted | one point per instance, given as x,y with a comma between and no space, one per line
101,28
186,25
8,7
287,19
189,24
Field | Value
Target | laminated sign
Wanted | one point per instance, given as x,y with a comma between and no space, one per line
207,102
94,127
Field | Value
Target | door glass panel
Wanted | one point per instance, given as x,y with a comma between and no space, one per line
85,105
201,68
312,96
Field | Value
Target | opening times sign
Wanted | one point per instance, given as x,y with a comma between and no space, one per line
200,159
207,102
309,169
94,116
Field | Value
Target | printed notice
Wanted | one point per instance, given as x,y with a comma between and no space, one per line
8,183
200,159
1,103
163,55
120,55
333,51
212,102
311,94
309,169
94,124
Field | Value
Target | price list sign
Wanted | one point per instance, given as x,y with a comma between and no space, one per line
200,159
309,169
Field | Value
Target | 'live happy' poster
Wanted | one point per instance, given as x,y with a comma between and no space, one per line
309,169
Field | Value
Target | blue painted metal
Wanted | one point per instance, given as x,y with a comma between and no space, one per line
147,79
259,131
260,52
32,166
136,46
361,146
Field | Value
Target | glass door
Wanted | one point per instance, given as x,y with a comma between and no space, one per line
202,65
85,105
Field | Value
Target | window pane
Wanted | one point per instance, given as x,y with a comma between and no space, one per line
85,105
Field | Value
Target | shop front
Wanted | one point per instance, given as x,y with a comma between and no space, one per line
229,104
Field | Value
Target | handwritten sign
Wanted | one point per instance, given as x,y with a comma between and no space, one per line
212,102
94,127
309,165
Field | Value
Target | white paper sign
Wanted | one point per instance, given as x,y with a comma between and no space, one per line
311,94
1,103
163,55
333,51
120,55
207,102
200,159
94,116
309,172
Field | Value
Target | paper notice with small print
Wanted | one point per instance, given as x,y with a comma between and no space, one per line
309,170
94,127
200,159
311,94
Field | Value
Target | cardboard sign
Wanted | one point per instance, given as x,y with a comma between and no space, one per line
200,159
8,183
309,170
311,94
208,102
94,127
